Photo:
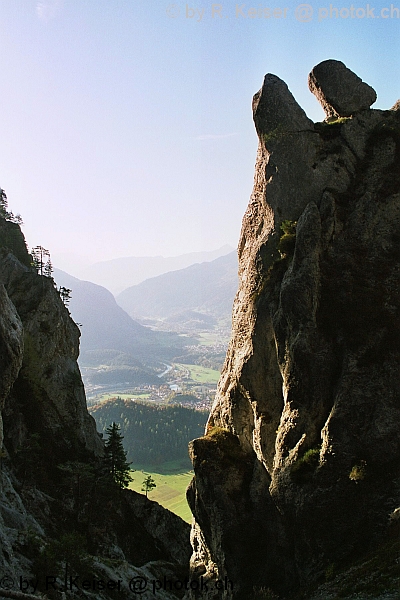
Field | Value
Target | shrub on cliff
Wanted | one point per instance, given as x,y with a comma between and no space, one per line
287,241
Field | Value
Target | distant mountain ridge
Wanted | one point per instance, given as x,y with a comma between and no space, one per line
106,326
207,288
120,273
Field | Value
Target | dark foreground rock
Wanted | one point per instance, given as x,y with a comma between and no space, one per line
61,515
299,471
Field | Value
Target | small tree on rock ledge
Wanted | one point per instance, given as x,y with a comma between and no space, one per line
5,213
65,294
42,261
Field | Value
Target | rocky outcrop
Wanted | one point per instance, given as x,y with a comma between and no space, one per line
340,91
49,379
47,397
299,469
54,490
169,531
11,348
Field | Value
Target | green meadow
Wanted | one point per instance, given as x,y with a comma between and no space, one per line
200,374
211,338
171,487
208,339
123,396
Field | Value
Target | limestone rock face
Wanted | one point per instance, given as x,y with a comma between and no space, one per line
52,477
11,349
48,374
340,91
300,465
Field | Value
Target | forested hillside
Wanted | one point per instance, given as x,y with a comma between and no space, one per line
153,434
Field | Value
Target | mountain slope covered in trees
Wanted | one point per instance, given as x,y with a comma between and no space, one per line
153,434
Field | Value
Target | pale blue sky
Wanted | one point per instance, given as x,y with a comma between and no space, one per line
126,125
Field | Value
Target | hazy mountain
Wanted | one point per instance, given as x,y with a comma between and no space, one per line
106,326
201,289
120,273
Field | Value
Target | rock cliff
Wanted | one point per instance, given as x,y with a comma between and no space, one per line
58,507
48,396
299,470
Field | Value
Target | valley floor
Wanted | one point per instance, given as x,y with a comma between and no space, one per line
171,482
178,381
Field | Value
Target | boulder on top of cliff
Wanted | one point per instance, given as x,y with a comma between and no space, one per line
340,92
276,111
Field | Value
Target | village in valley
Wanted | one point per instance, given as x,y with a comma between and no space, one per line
190,385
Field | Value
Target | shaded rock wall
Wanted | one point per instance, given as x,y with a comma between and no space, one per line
11,349
52,479
48,396
300,467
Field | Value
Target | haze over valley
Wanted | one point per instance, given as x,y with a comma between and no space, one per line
171,345
119,274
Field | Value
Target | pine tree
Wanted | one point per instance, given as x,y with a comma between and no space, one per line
65,294
148,484
115,457
48,268
41,261
3,204
5,213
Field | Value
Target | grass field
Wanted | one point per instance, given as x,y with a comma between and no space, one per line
123,396
171,487
208,339
211,338
201,374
